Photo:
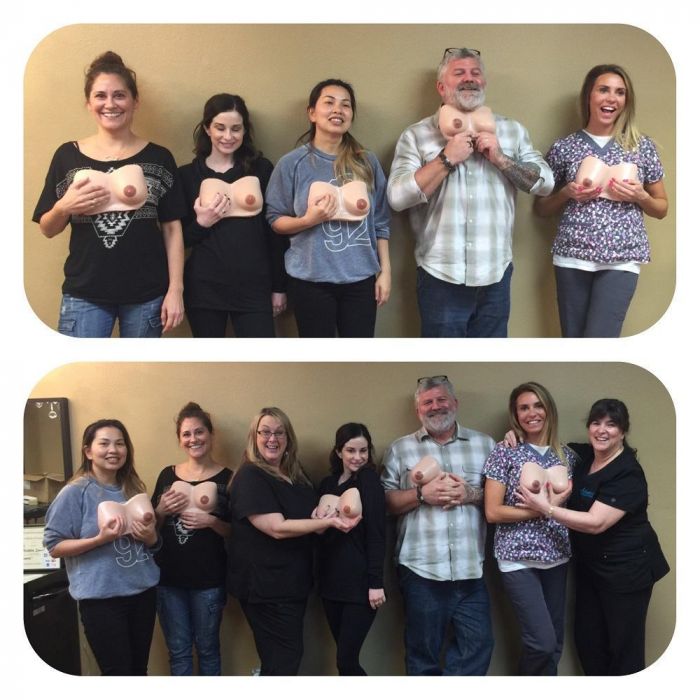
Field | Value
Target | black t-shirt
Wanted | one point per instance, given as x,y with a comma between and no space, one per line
117,257
261,568
193,559
627,556
238,262
352,563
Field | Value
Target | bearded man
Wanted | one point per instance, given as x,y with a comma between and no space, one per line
460,191
440,537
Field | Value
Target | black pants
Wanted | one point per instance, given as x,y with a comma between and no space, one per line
119,631
278,630
609,628
349,623
211,323
324,310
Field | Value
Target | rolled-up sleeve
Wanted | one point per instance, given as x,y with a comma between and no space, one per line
527,153
402,189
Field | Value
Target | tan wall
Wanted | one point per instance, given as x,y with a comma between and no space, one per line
392,68
319,397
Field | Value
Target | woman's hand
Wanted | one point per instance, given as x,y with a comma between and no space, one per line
213,212
628,191
343,523
83,197
376,598
145,532
172,311
534,501
197,520
323,209
510,439
171,502
111,530
581,193
382,288
279,303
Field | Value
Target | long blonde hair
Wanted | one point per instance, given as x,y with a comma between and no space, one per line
290,465
351,162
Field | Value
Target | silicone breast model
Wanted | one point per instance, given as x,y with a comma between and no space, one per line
352,198
202,496
534,477
245,195
349,504
136,508
452,121
593,172
127,186
425,470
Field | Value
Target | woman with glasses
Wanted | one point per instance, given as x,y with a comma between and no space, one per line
608,176
191,503
122,198
329,197
236,266
351,565
532,552
270,548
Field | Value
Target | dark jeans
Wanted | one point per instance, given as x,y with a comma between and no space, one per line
593,304
324,310
119,631
456,311
430,608
538,597
609,628
278,630
349,623
211,323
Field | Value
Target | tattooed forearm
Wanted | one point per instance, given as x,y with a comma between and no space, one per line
522,175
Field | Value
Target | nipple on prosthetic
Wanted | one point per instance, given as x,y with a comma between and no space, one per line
250,200
535,486
457,123
129,191
361,204
203,500
147,518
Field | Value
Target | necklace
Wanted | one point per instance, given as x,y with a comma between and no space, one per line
110,157
596,467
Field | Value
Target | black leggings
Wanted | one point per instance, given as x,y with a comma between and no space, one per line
119,631
349,623
211,323
324,310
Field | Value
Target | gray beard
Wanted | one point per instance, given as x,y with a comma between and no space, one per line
439,423
469,100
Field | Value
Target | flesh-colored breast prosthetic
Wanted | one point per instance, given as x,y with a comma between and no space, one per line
245,195
352,198
201,497
127,187
425,470
348,505
136,508
452,121
534,477
593,172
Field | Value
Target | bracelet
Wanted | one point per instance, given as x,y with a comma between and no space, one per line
550,511
419,495
446,161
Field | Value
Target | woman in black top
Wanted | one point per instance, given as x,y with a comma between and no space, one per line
126,252
616,551
351,565
236,266
270,548
192,590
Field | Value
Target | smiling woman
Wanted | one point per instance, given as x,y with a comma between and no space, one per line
125,262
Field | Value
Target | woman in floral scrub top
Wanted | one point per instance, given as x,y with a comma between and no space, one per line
601,243
532,552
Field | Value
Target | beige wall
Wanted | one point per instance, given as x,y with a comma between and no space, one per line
319,397
392,68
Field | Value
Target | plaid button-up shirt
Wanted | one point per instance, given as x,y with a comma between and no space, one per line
443,545
464,231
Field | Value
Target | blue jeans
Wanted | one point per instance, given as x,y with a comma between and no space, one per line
456,311
83,319
190,617
430,607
